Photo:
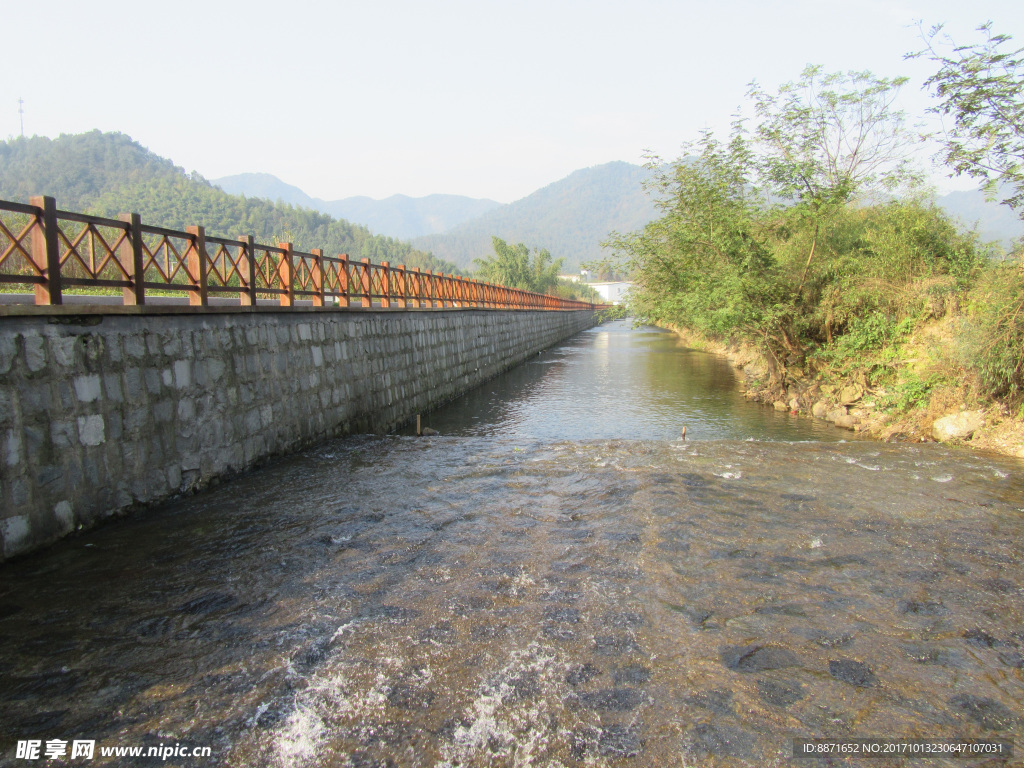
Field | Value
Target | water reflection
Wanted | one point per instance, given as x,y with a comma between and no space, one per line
615,381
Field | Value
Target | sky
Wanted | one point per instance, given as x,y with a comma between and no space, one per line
484,98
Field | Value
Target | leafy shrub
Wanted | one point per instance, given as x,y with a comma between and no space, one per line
993,337
913,391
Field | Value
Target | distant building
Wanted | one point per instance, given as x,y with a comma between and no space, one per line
612,293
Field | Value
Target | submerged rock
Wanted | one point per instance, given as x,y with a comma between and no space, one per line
852,672
617,741
717,740
780,693
987,713
612,699
980,638
717,701
757,658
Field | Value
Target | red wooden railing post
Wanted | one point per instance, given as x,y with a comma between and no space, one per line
316,276
364,282
45,252
247,294
285,275
199,295
130,256
417,288
431,291
385,284
343,280
402,288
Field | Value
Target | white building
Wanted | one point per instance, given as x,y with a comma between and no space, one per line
612,293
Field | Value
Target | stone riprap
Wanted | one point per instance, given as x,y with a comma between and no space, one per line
102,413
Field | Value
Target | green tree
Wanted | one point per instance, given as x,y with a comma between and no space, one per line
704,264
980,87
513,266
827,139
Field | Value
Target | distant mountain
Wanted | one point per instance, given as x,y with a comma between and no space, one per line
408,217
570,218
994,221
398,216
268,187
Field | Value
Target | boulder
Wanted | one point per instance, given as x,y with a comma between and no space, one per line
820,409
846,421
851,394
835,413
780,406
958,426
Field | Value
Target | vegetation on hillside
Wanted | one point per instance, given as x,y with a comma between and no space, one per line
804,235
108,173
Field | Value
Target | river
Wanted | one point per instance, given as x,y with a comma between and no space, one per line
554,580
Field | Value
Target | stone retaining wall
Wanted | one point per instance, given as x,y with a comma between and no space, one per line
102,413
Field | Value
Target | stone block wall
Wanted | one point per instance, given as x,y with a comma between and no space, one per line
103,413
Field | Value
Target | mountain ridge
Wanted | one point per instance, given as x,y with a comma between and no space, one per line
399,216
570,217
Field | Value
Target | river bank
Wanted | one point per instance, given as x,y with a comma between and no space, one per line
950,414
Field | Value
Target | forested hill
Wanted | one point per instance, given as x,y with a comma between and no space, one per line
109,173
570,217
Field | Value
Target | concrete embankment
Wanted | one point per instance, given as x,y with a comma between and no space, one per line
102,413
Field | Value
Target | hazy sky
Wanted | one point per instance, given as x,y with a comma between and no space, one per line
483,98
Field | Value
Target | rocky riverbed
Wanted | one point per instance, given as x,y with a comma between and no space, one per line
463,602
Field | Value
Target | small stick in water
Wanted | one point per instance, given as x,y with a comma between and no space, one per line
683,436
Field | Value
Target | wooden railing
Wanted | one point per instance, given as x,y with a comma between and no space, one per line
53,252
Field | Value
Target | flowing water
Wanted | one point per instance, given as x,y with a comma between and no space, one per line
617,382
556,580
